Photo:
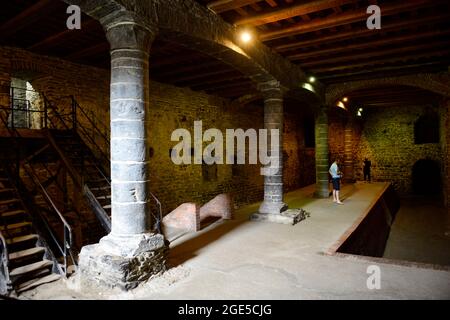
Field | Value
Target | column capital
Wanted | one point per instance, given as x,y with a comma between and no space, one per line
130,35
271,89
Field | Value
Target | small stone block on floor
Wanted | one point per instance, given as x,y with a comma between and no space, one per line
290,216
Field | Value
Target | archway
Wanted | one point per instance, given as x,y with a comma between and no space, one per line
426,177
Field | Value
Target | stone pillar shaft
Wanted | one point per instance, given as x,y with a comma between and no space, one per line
129,105
322,161
130,254
273,119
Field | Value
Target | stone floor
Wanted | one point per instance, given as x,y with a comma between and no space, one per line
418,232
240,259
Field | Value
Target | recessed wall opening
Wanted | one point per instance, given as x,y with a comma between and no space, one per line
426,177
26,104
426,129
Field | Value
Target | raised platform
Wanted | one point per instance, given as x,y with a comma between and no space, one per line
239,259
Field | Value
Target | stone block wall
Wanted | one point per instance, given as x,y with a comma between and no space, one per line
298,160
387,139
171,108
337,118
445,146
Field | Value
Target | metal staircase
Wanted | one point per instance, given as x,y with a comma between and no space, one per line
29,218
75,144
27,261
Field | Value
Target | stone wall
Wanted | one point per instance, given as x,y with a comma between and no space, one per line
299,161
337,118
445,146
171,108
387,139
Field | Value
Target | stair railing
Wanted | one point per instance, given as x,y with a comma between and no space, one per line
4,259
71,121
105,158
66,248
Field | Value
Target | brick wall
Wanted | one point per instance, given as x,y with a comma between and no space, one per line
171,108
387,139
337,119
298,161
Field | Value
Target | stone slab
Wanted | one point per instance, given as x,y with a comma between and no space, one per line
290,216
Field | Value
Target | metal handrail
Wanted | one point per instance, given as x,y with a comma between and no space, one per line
67,243
67,229
5,259
78,107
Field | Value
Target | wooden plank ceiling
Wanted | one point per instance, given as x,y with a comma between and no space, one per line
327,38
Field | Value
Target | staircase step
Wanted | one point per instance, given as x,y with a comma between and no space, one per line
11,213
21,239
105,197
100,188
15,226
9,201
6,190
37,282
31,268
26,253
108,206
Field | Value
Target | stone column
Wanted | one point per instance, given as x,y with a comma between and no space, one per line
348,151
322,161
273,208
273,119
130,253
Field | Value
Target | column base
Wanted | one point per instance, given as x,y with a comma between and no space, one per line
290,216
121,262
322,194
272,207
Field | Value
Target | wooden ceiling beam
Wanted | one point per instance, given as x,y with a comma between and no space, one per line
219,6
322,72
369,44
58,37
340,36
290,12
382,71
353,16
402,53
26,17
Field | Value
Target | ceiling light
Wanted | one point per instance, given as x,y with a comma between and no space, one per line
246,36
312,79
340,104
345,99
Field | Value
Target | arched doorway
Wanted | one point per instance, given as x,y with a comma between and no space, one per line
426,177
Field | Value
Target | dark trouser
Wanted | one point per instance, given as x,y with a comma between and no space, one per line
367,175
336,183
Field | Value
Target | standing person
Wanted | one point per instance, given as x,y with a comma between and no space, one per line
366,169
336,176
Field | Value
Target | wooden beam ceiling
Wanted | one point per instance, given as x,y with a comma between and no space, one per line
25,18
361,32
289,12
341,19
